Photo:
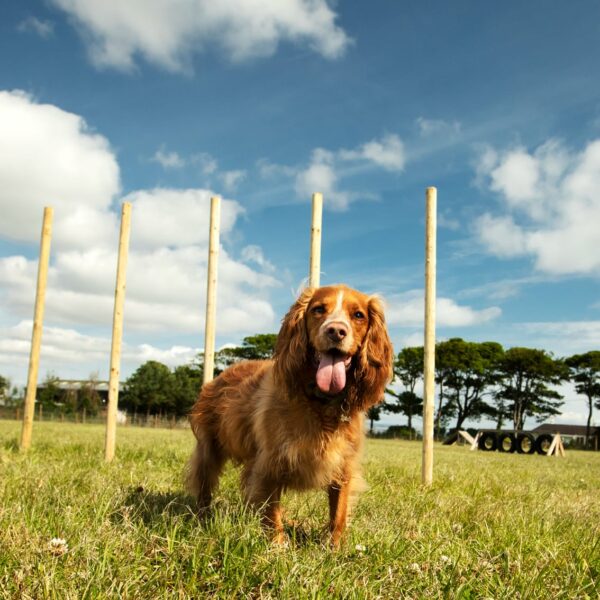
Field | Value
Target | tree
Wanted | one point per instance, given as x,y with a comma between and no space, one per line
467,371
10,396
50,394
254,347
525,376
408,368
187,381
150,389
407,403
374,414
89,398
585,372
4,389
443,361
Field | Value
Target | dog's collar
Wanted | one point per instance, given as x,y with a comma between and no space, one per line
338,401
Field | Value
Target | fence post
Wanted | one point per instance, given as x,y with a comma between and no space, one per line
36,336
429,346
117,335
314,279
211,289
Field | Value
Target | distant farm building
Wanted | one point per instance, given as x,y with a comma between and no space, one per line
572,435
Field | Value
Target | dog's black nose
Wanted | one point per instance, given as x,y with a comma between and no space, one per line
336,332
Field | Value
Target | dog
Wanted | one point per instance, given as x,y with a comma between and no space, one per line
297,421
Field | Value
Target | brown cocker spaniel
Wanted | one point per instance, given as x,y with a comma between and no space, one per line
297,421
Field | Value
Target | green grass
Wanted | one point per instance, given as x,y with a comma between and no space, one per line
491,526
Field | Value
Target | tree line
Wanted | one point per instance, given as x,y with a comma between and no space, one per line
478,380
155,389
474,379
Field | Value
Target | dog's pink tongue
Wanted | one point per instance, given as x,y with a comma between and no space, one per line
331,373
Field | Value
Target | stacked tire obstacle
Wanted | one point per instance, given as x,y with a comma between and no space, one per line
522,442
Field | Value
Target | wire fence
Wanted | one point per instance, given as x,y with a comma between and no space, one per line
82,417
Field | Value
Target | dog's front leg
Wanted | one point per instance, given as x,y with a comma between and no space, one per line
265,494
338,510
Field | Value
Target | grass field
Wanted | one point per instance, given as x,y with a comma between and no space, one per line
492,525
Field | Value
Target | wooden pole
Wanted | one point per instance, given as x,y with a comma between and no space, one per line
315,241
211,288
429,349
117,335
36,336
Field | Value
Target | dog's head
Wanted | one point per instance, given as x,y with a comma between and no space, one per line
337,335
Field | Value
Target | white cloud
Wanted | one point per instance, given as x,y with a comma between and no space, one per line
48,153
170,217
166,275
174,160
407,310
413,339
502,236
321,176
387,153
207,163
43,28
501,289
68,353
117,33
255,254
428,127
268,169
325,170
168,160
231,179
445,221
50,157
172,357
551,203
57,345
517,176
563,337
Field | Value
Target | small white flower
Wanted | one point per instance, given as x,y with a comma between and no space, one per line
360,548
58,546
486,565
445,559
415,567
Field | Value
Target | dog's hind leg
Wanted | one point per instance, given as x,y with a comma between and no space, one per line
204,469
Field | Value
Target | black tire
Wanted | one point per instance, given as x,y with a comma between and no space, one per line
488,442
542,444
525,443
451,439
507,442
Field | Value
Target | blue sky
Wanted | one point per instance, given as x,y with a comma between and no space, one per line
498,105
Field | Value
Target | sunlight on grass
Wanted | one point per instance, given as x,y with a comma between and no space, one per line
492,525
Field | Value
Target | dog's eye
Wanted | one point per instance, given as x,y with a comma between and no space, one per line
359,315
318,310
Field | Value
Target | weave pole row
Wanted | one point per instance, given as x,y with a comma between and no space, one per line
210,322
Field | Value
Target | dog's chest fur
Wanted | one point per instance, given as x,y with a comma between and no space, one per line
301,451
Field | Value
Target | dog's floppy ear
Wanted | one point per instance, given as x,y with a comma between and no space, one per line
291,349
375,360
